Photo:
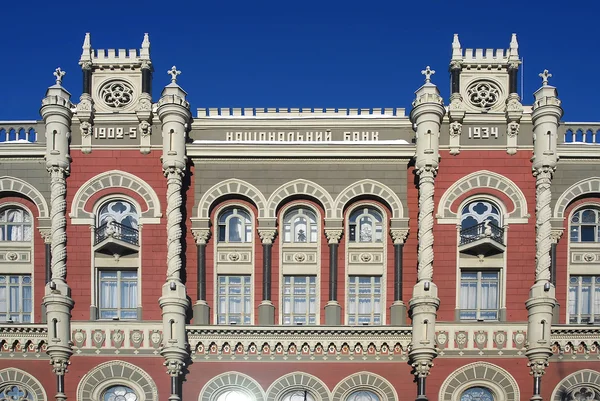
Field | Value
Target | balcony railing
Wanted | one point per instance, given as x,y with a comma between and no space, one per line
117,231
482,230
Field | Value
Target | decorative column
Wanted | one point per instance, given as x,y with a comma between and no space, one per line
174,113
457,108
333,310
554,237
514,108
47,236
426,115
266,309
143,109
57,115
85,108
201,310
546,116
398,308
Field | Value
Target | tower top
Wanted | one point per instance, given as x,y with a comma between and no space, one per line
114,58
482,58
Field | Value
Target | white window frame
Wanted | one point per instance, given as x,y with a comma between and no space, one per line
375,225
357,286
503,269
228,295
226,224
94,271
233,269
119,302
594,288
20,285
308,270
596,225
299,210
479,300
292,286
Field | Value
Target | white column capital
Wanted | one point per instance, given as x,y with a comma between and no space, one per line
399,235
333,236
267,235
201,236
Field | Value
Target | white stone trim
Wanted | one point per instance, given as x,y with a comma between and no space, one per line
19,377
113,373
115,179
583,377
364,381
299,187
372,188
12,184
228,381
232,186
478,374
580,188
298,381
483,179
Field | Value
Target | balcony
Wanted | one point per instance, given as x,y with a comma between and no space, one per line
115,238
483,239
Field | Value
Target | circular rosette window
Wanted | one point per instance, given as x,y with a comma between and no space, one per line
483,94
117,94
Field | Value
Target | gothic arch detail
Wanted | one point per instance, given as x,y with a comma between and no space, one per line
486,180
231,381
13,376
368,187
585,381
229,187
115,179
480,374
365,381
583,187
298,380
112,373
12,184
299,187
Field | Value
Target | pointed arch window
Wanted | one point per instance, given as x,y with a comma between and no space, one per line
365,225
300,226
235,225
15,225
477,394
585,225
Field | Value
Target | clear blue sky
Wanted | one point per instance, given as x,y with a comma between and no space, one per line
307,53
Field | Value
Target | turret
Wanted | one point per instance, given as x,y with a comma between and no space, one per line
546,116
173,111
56,112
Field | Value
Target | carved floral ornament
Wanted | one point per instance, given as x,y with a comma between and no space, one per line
116,94
483,94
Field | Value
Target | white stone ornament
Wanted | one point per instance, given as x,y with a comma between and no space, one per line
173,72
545,75
59,74
428,72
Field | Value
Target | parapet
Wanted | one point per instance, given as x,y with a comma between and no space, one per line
485,58
304,112
114,58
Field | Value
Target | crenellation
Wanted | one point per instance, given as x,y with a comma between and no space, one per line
285,112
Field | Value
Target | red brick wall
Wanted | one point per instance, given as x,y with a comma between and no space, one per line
154,238
520,251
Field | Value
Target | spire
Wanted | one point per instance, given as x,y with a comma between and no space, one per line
145,51
86,54
514,48
456,49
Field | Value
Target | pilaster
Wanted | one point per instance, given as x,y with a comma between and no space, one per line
398,307
201,309
333,309
266,309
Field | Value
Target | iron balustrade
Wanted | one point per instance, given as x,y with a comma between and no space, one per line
482,230
118,231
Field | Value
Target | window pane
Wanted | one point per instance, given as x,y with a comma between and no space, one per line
234,300
588,233
235,229
477,394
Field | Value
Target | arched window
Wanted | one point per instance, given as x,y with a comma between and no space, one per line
300,226
15,225
477,394
233,395
235,225
365,225
118,211
479,212
585,225
120,393
363,395
15,392
298,395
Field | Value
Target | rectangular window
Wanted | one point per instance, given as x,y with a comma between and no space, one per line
234,304
479,295
15,298
299,300
364,300
118,295
584,299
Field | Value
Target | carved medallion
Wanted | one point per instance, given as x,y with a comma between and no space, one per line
98,337
116,94
117,337
519,338
500,339
483,94
481,339
366,257
234,257
461,339
300,257
79,337
155,339
442,339
137,336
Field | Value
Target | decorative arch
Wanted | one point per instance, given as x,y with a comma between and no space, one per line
480,374
364,381
368,187
231,186
588,186
115,179
112,373
299,187
488,180
18,377
298,380
12,184
582,378
228,381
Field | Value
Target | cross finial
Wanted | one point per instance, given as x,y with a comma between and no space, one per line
58,73
545,75
173,73
428,72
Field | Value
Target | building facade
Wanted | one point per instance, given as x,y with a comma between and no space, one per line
447,253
